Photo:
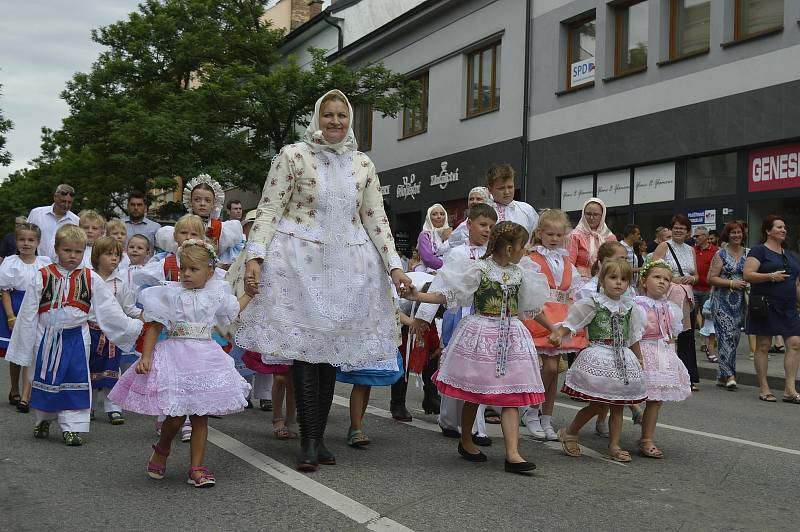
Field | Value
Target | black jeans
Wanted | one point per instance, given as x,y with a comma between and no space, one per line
687,351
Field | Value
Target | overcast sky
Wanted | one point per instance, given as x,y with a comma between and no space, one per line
42,44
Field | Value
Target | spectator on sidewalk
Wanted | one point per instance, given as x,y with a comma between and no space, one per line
725,275
773,274
234,209
704,252
630,236
8,246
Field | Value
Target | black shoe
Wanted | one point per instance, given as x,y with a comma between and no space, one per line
308,459
521,467
450,433
773,349
13,400
23,407
249,405
482,441
265,405
325,456
431,403
399,412
469,457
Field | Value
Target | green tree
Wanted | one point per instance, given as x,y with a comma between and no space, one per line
5,126
192,86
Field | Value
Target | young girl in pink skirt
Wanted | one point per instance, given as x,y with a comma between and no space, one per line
188,374
491,358
666,377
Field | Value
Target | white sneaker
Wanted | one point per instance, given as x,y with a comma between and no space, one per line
531,420
550,434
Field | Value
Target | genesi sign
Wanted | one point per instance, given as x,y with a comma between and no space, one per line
774,168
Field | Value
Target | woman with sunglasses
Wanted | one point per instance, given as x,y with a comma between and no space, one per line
773,274
680,256
587,237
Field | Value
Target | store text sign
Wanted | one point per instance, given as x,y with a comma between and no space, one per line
575,191
614,188
582,72
654,183
774,168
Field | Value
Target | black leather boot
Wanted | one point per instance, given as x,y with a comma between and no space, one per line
431,402
306,390
327,383
397,406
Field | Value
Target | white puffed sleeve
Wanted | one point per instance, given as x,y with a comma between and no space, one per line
534,291
460,280
22,346
119,328
127,301
151,274
637,324
580,315
459,235
10,272
157,302
427,311
677,319
165,239
228,309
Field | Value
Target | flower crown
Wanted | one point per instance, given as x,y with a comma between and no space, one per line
219,194
650,264
199,243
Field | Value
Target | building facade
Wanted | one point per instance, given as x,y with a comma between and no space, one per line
665,106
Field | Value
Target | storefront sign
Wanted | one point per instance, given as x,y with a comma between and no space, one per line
582,72
706,218
408,187
386,190
575,191
774,168
614,188
654,183
444,177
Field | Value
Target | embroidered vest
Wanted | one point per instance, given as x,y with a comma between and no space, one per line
172,271
79,291
488,299
601,328
214,232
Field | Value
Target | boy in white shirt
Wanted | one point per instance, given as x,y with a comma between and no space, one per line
500,181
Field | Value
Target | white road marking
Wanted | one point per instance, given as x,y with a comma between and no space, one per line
709,435
344,505
494,430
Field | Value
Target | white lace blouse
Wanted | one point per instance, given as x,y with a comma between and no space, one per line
582,312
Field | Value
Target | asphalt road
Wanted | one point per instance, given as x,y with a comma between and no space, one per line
732,463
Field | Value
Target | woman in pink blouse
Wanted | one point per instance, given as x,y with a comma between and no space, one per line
432,242
587,237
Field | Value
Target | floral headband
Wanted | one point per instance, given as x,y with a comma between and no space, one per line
649,265
219,194
203,244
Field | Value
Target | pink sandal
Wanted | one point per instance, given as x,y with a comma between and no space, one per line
156,470
204,480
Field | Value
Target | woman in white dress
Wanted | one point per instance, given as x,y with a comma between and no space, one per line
320,256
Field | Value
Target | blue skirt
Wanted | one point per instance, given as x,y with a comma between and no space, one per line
5,332
449,321
103,361
65,384
372,377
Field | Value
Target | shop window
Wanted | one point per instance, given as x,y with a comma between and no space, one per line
415,119
689,27
362,125
581,41
649,221
483,79
755,17
630,43
711,176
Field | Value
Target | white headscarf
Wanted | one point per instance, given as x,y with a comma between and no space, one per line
316,140
482,191
435,232
594,238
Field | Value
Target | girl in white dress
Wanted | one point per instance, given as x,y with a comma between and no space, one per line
17,273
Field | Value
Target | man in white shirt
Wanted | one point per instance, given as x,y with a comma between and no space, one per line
500,181
51,217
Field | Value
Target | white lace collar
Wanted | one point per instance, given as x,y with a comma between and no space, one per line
508,275
616,306
650,302
551,253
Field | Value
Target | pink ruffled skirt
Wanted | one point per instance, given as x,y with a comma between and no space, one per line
188,377
468,367
665,376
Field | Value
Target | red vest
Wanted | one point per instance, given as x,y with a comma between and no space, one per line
172,271
555,311
214,232
79,293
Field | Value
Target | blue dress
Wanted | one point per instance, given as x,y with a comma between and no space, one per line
782,318
728,308
371,375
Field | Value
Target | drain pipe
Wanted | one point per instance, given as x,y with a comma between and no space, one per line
326,18
526,106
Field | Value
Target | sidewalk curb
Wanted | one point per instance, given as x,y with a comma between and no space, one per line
745,379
